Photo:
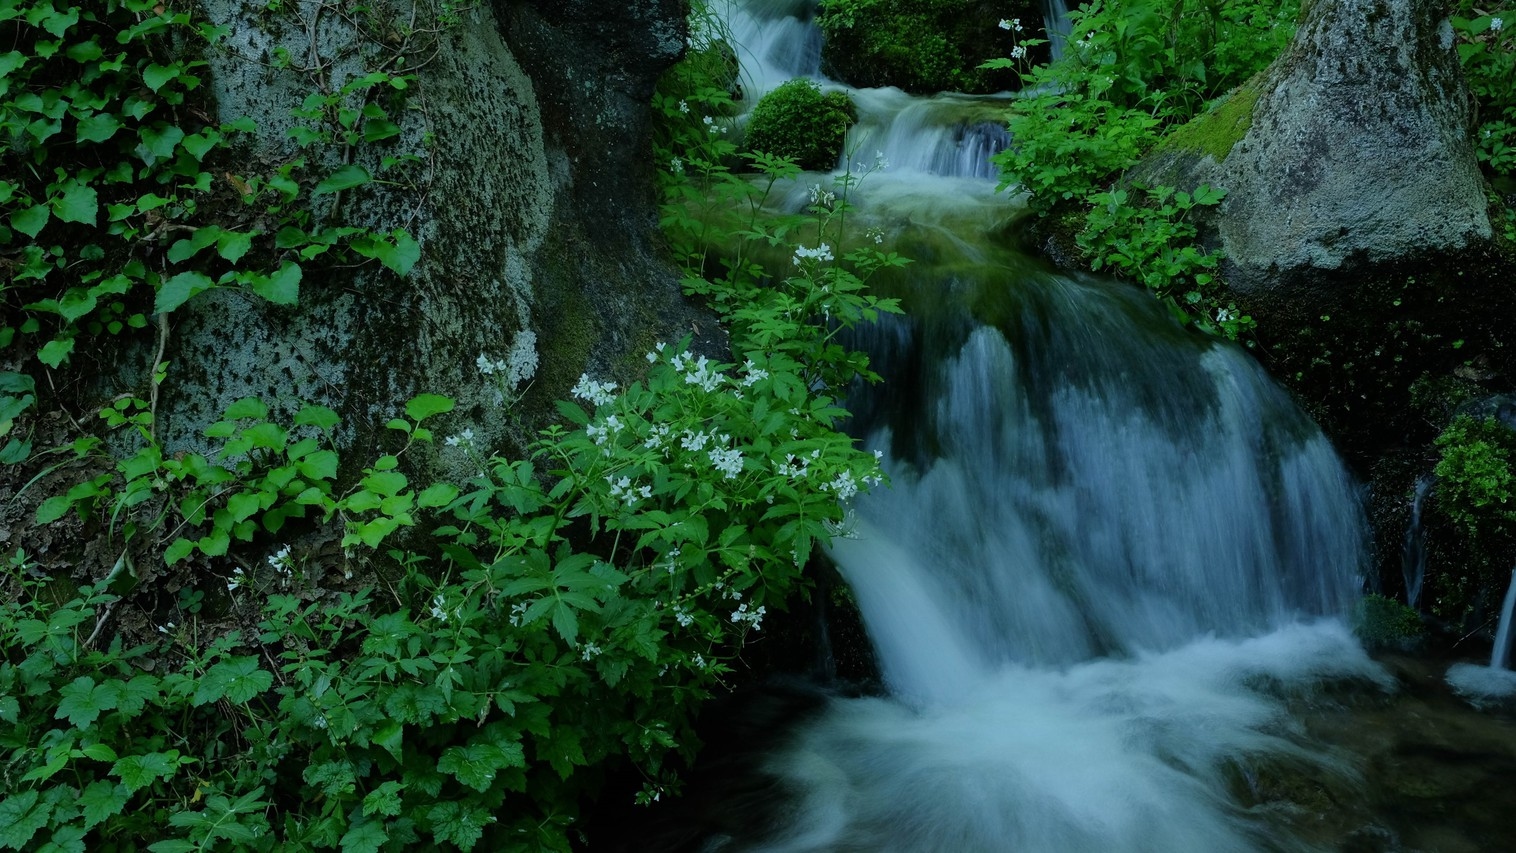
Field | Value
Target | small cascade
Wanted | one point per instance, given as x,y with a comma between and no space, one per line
1413,556
1055,17
1500,655
775,42
951,136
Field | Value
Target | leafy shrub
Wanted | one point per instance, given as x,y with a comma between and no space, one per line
917,45
1487,48
797,122
1382,622
1476,486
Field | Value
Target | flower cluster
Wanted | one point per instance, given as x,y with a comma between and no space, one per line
824,198
1012,24
1496,24
699,371
753,618
592,392
822,253
463,439
236,580
625,490
283,563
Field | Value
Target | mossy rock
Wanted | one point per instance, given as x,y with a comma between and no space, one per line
1384,623
801,123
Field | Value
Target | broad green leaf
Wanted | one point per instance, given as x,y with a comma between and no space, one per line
78,202
155,76
347,177
53,509
20,818
384,799
436,495
30,221
238,680
282,287
423,406
317,416
458,823
180,289
178,550
233,245
366,836
187,247
97,128
158,142
55,351
247,407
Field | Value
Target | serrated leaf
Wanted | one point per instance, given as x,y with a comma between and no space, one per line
101,800
384,800
238,680
347,177
138,771
365,836
281,287
180,289
458,823
20,818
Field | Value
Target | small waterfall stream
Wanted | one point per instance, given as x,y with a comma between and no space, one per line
1112,555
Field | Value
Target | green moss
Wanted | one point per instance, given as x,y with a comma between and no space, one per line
1476,486
797,121
1215,131
1382,622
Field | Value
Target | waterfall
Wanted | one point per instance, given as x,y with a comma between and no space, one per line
1055,18
1500,654
1110,550
1413,557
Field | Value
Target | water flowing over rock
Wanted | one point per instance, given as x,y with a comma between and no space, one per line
1355,146
531,200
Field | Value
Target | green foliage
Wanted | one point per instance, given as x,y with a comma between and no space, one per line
1475,480
1382,622
1488,52
797,122
919,46
1132,70
123,204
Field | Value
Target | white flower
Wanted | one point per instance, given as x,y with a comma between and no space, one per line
707,120
684,107
1225,315
754,373
439,611
595,393
677,165
727,461
683,617
1496,24
589,650
694,441
236,580
752,617
1004,24
518,612
165,628
843,486
281,561
463,439
1018,52
880,163
822,253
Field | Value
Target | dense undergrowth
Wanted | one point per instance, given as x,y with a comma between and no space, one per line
517,634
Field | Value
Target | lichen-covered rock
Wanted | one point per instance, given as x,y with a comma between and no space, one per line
528,190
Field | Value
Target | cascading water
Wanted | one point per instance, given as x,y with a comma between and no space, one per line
1413,557
1110,550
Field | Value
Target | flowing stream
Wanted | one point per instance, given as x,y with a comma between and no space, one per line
1114,565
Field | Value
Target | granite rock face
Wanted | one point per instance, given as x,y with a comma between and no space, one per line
1359,147
529,192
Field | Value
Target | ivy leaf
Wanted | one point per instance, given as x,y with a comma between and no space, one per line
97,128
78,202
179,289
155,76
282,287
345,178
158,142
398,250
55,351
102,800
31,220
232,245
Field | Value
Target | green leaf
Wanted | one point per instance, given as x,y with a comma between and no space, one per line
155,76
97,128
384,799
233,245
423,406
53,509
187,247
347,177
317,416
282,287
20,818
138,771
81,701
438,494
565,621
458,823
30,221
101,800
173,845
236,679
398,250
159,142
55,351
180,289
247,407
177,551
366,836
78,202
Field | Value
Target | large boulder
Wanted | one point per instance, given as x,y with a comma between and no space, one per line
1354,146
530,194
